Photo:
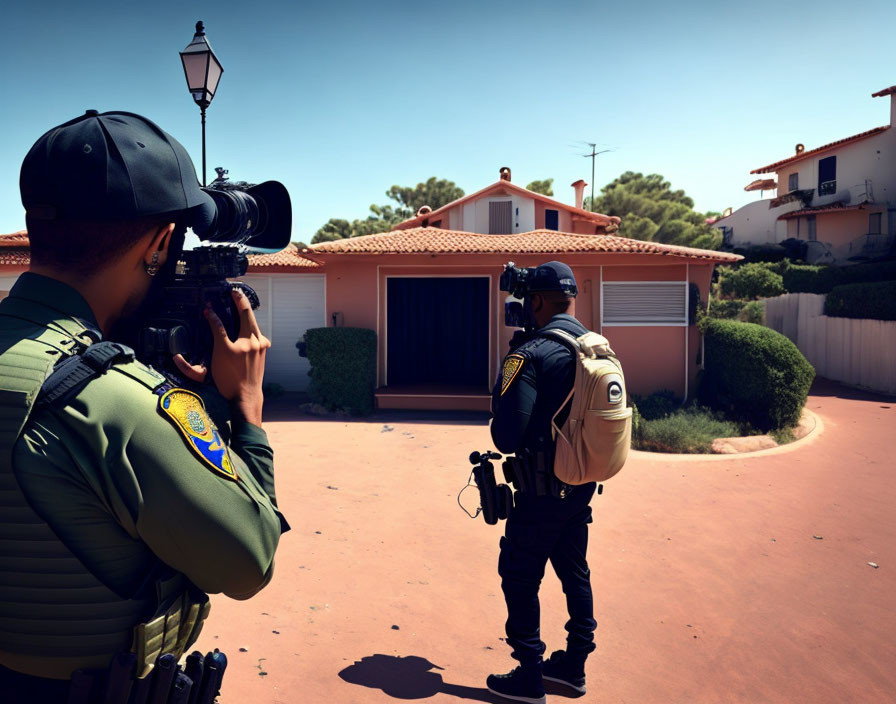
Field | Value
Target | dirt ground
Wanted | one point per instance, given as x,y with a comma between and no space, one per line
721,579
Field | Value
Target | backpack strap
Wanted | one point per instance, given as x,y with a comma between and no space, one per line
567,339
75,372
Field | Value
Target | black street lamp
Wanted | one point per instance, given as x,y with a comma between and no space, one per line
203,71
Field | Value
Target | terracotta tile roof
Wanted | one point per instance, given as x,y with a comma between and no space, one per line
825,209
288,258
839,143
15,239
885,91
434,240
598,218
761,184
14,249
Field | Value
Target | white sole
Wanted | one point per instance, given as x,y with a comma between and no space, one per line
580,690
528,700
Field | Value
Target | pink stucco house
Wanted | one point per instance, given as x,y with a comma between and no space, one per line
429,288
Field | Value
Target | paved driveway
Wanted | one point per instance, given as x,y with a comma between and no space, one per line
741,579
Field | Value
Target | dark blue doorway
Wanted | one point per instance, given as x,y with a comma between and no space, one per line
437,331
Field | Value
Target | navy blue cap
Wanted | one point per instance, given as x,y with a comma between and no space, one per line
110,166
553,276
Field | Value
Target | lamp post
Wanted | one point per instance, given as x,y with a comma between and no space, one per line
203,71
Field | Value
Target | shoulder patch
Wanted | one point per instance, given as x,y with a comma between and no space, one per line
186,411
512,365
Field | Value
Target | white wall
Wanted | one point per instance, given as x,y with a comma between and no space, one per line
756,223
290,305
522,212
856,352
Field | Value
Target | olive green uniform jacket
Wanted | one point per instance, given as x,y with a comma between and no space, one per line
101,495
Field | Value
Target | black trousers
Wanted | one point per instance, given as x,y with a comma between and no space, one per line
18,688
542,528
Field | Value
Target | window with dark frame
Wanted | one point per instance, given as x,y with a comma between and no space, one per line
874,223
827,176
793,182
810,222
551,219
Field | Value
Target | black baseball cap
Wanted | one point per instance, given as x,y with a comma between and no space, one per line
111,166
553,276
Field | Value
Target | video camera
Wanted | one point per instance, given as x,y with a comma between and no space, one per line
495,500
514,280
248,219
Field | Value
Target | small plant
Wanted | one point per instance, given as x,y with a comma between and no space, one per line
689,430
657,405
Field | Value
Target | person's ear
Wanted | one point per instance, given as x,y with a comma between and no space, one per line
537,302
156,252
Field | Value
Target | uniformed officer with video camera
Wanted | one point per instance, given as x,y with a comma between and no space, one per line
123,502
549,520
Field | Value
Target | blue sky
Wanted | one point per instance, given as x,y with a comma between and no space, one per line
342,100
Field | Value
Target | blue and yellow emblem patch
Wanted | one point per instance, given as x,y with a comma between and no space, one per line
187,412
512,365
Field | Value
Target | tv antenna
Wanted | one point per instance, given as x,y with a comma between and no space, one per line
593,154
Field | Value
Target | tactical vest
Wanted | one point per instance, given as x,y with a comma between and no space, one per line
55,615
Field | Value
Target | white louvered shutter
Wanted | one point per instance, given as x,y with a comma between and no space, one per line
645,303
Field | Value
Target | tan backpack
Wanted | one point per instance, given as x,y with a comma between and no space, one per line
593,443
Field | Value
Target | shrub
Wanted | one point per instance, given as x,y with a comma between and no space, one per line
658,405
273,390
762,252
726,309
343,368
873,300
822,279
751,281
689,430
754,374
752,312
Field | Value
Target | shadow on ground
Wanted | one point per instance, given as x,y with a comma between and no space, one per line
288,408
409,677
827,387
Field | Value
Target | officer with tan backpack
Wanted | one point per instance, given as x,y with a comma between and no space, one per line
559,407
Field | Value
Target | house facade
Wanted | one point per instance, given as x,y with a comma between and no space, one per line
840,198
431,293
290,288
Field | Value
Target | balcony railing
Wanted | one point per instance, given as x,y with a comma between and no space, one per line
826,188
870,246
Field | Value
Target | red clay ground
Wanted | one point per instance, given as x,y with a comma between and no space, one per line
722,579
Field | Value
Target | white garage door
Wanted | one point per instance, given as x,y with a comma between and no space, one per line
290,304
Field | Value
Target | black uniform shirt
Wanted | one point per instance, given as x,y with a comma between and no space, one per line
535,380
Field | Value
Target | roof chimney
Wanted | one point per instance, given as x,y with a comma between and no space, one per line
891,91
505,173
580,192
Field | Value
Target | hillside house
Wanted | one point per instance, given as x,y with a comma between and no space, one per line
840,198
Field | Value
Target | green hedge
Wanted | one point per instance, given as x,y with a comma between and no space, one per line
822,279
754,374
343,368
737,309
875,300
754,280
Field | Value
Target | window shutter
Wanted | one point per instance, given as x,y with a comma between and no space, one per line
645,303
500,217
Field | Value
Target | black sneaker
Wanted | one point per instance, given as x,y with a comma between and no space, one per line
522,684
565,670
